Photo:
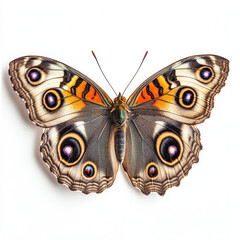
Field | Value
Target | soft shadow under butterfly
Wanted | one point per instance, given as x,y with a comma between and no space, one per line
153,134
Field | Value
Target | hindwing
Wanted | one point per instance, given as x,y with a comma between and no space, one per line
81,154
160,152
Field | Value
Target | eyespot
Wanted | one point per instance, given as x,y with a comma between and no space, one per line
89,170
169,148
34,76
52,99
186,97
152,171
70,149
205,74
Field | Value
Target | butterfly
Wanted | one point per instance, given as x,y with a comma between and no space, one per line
86,135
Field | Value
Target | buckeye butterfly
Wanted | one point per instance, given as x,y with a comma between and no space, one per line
86,135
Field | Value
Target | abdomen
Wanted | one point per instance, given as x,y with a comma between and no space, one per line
120,143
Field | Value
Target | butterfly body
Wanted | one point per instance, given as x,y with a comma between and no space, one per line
119,110
86,135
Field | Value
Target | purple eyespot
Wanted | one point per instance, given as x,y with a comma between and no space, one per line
88,171
34,75
152,171
170,149
70,150
188,97
70,147
51,100
206,73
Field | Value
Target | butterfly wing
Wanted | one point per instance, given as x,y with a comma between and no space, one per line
162,139
54,92
80,153
160,152
76,143
183,91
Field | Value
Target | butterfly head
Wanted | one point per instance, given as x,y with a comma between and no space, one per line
119,110
119,99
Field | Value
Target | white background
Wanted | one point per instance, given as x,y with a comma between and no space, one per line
34,205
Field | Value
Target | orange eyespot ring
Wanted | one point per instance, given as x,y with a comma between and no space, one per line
169,147
71,148
52,99
186,97
89,170
205,74
152,171
35,76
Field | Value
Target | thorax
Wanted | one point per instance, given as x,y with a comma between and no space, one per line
119,111
119,115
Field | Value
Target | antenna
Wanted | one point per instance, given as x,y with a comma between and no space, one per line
136,72
103,72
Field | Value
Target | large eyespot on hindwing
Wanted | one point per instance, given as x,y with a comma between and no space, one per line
89,170
52,99
186,97
35,76
71,148
205,74
169,147
152,171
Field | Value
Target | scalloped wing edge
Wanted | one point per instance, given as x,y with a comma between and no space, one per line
67,180
16,85
159,187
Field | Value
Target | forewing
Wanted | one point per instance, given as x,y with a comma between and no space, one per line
54,92
183,91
